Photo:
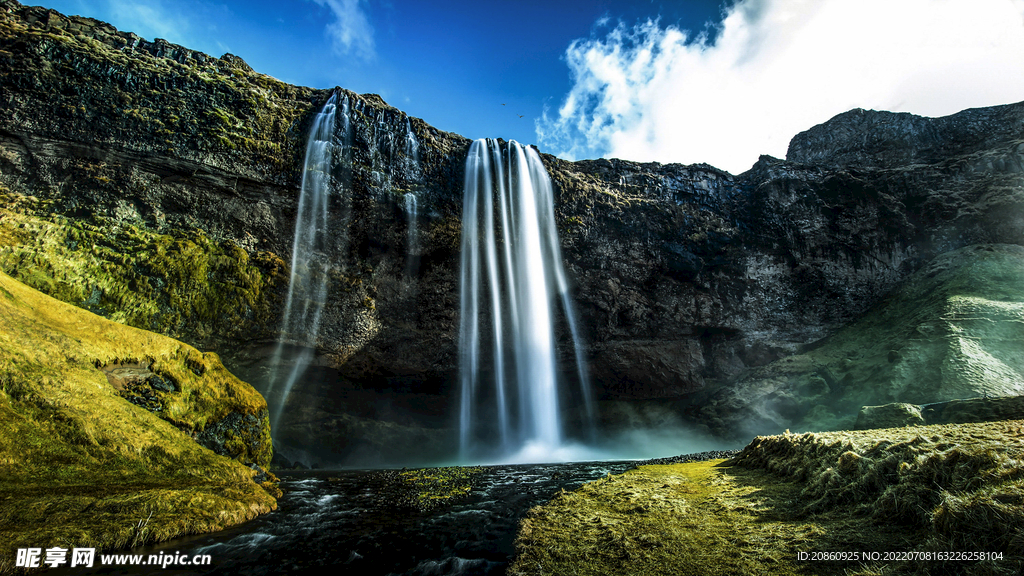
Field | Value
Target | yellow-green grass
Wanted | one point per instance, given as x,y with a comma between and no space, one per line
962,483
80,465
949,488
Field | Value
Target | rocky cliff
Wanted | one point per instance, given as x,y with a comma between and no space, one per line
158,186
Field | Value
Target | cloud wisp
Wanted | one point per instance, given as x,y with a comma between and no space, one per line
350,32
777,67
156,19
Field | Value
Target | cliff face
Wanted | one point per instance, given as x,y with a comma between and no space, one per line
872,139
159,186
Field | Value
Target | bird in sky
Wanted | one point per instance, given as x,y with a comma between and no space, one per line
520,115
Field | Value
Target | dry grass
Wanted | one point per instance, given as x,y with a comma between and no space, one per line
82,466
963,483
935,488
701,518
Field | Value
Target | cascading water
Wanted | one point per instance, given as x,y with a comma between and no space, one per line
412,144
412,234
511,276
307,285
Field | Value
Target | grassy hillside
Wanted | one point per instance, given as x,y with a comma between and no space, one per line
81,465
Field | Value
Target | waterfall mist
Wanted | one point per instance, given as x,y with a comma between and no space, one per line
511,282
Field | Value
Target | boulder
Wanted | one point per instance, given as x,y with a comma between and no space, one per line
896,415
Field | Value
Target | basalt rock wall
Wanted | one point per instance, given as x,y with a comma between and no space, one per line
159,186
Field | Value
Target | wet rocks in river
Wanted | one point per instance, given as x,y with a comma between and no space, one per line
695,457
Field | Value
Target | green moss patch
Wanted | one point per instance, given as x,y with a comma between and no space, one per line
423,489
83,466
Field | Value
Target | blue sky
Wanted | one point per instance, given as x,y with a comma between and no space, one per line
451,63
636,80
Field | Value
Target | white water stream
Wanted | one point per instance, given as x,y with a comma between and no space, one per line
512,276
308,283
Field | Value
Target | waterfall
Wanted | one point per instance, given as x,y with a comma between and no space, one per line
307,285
412,234
412,145
511,278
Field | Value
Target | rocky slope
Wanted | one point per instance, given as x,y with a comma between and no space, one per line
158,186
951,330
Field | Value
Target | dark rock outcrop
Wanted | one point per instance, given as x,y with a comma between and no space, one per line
116,153
896,415
951,330
872,139
962,411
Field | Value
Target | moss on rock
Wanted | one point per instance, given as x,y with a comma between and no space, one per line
166,98
953,330
423,489
182,284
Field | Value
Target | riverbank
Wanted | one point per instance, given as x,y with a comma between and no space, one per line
904,492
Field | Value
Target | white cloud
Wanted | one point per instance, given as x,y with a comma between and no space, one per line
778,67
351,31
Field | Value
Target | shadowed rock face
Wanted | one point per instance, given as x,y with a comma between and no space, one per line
951,330
116,152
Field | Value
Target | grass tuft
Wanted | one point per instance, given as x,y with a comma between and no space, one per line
423,489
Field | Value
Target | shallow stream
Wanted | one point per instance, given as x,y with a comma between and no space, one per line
333,519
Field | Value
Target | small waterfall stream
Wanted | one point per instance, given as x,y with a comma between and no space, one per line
412,241
412,144
511,276
308,283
